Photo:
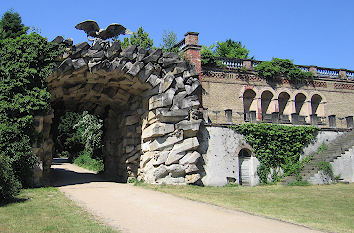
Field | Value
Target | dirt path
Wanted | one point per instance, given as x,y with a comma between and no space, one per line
133,209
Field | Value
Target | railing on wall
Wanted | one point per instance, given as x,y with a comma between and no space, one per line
320,72
232,62
180,45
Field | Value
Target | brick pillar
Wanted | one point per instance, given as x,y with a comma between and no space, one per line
247,64
343,74
192,50
313,70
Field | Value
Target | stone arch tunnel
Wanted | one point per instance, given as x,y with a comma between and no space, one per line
149,102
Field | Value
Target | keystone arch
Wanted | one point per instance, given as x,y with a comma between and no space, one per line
148,100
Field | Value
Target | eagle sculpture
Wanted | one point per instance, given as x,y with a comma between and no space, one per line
92,29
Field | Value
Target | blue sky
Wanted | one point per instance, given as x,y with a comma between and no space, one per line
309,32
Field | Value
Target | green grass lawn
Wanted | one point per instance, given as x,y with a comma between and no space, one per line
47,210
325,207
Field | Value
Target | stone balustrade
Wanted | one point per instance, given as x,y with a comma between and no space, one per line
319,72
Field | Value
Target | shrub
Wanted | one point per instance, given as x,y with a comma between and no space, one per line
322,148
84,160
326,168
271,70
9,185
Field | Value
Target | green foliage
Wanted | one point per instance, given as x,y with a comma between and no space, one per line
9,185
228,49
276,68
208,57
25,62
84,160
231,185
68,138
231,49
139,38
169,40
11,25
277,146
326,168
89,127
322,148
80,132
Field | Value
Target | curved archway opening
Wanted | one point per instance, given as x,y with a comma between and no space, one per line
266,100
316,108
284,107
244,158
249,105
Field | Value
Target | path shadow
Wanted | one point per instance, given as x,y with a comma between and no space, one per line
63,177
12,201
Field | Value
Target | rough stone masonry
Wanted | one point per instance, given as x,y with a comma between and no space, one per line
149,102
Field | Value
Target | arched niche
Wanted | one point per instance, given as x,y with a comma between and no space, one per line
247,166
267,105
249,103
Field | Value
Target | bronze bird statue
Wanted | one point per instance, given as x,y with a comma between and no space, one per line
92,29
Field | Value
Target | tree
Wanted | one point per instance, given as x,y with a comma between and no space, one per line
231,49
169,40
139,38
25,62
11,25
227,49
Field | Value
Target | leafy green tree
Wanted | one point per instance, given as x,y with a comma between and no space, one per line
25,62
231,49
277,67
11,25
210,55
68,138
89,127
169,39
139,38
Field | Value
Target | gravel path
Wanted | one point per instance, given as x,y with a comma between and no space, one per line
133,209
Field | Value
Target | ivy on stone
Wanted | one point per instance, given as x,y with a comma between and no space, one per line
277,146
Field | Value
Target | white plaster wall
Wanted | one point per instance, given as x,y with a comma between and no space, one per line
322,136
254,179
344,166
218,147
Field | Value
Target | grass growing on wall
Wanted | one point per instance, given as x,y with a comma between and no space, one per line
277,146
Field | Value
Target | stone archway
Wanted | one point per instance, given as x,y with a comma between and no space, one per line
149,102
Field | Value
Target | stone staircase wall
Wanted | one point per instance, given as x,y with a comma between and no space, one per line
338,151
343,167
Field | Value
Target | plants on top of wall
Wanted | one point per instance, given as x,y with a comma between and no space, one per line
277,146
282,68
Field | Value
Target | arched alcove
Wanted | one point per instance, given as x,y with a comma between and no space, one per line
300,99
266,100
284,107
249,103
316,106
